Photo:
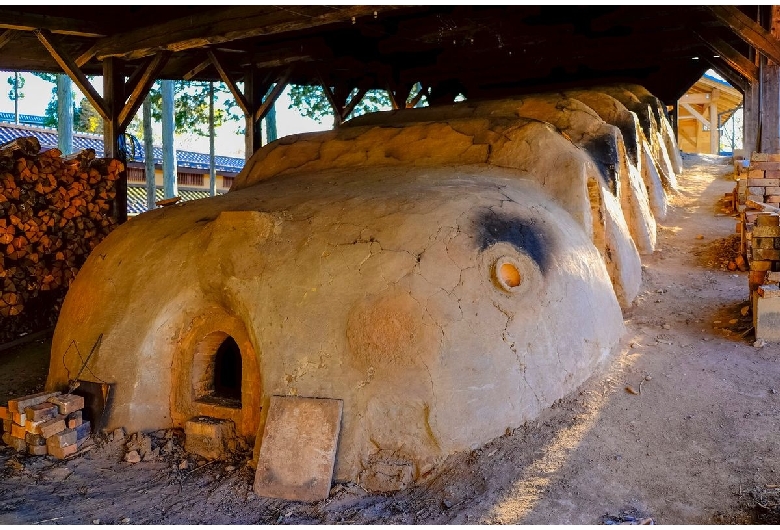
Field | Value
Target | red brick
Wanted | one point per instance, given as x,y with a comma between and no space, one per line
7,425
34,439
38,450
82,432
61,439
42,411
18,431
20,418
74,419
18,443
34,427
68,403
62,452
18,405
52,427
7,438
4,414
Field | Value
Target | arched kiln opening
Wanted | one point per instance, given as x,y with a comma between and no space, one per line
217,371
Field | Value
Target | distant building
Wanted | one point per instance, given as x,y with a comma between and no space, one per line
702,111
192,170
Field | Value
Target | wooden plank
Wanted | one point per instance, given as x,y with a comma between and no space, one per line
240,98
6,36
87,56
696,114
23,21
748,30
140,87
731,56
74,72
226,24
271,98
198,69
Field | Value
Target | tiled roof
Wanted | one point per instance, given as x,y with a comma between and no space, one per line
24,119
136,197
48,139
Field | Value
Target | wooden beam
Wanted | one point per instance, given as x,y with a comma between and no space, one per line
198,69
727,72
423,92
697,99
337,109
714,132
695,113
748,30
354,102
240,98
138,88
731,56
74,72
6,36
271,98
226,24
85,57
22,21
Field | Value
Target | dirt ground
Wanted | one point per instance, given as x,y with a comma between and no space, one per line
682,427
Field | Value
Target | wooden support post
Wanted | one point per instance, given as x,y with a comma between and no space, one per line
750,119
714,127
64,114
149,172
253,134
169,165
113,98
770,94
212,160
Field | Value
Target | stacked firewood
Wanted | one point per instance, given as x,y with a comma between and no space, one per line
53,211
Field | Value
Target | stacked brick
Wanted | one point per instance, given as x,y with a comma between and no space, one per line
49,423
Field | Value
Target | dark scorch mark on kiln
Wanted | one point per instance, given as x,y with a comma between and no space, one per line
526,235
603,151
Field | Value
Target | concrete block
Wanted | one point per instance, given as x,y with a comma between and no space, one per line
773,276
37,450
756,198
766,231
765,166
18,443
19,404
755,174
764,242
756,190
773,190
42,411
762,182
766,254
767,318
210,438
764,218
62,452
298,449
74,419
68,403
768,291
53,426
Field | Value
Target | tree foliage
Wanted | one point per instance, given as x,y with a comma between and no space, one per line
191,106
311,101
17,84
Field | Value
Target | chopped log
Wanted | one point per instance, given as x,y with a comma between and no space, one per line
54,211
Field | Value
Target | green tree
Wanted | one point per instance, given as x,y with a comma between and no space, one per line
17,84
311,101
191,114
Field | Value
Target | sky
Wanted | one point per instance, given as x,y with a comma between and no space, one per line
38,93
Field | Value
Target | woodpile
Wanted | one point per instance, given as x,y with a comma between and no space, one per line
49,423
53,211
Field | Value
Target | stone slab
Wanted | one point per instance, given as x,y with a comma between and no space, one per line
767,318
211,438
298,450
